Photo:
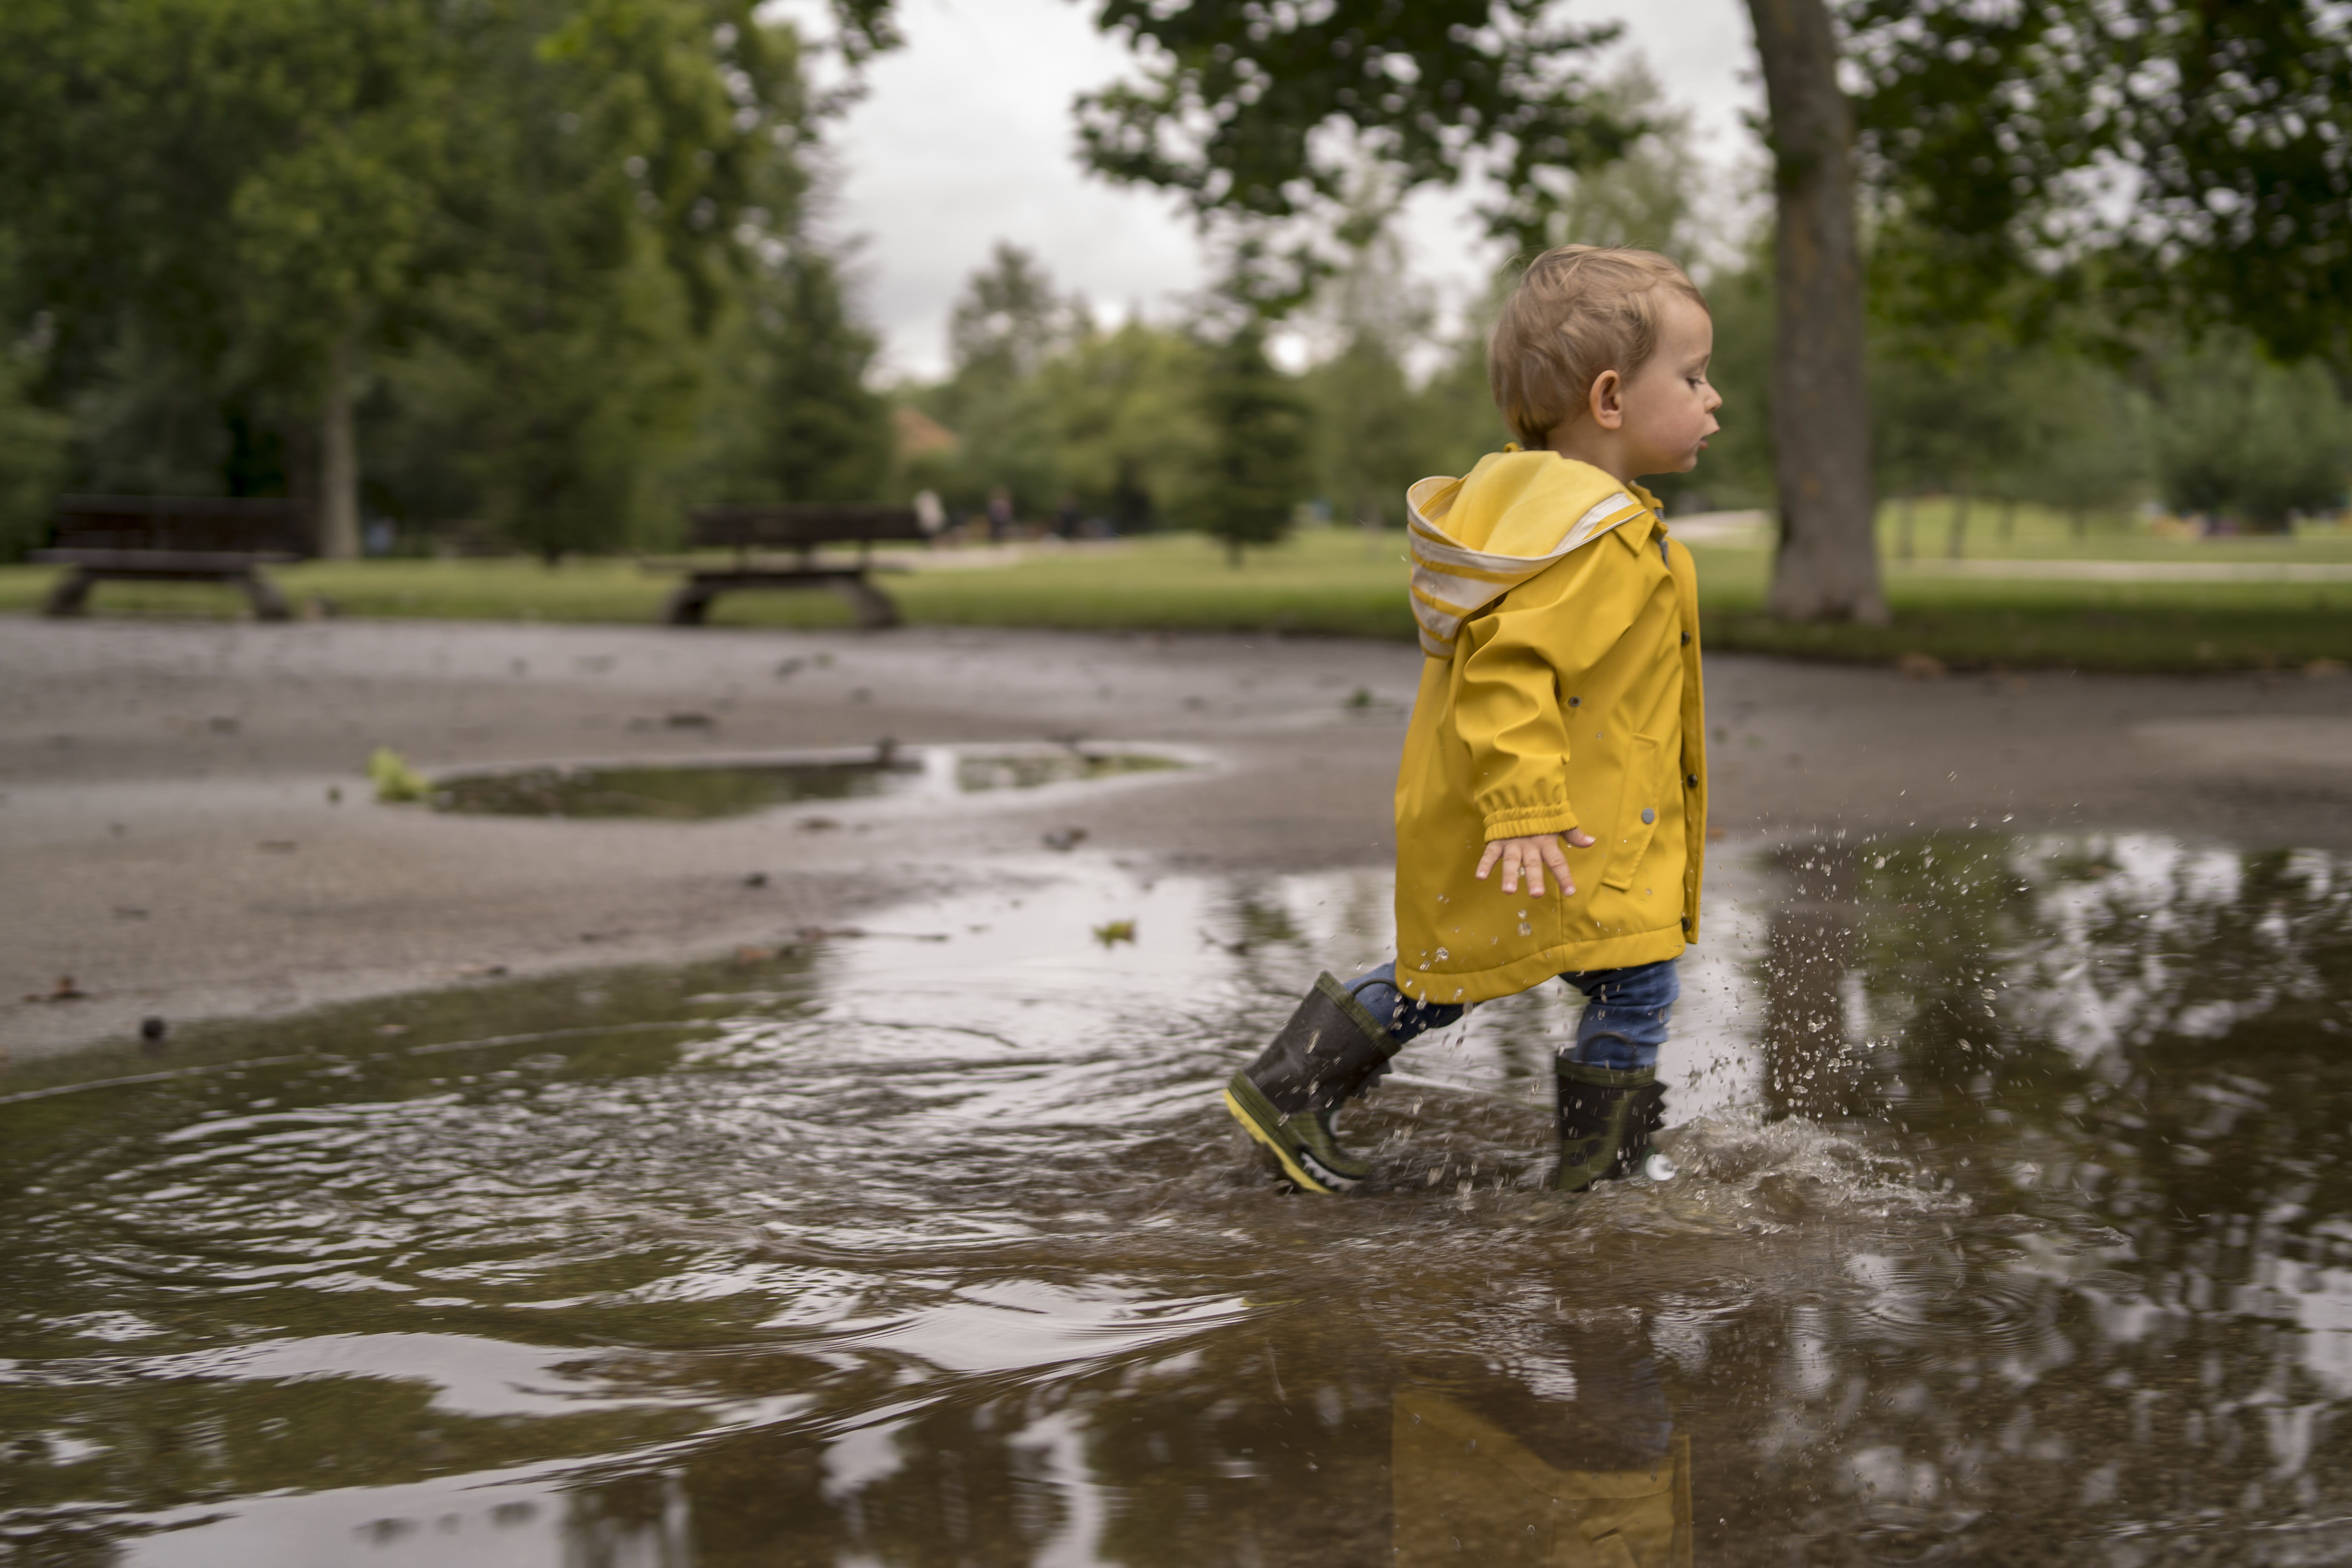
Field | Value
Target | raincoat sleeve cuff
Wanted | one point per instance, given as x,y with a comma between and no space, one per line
1528,821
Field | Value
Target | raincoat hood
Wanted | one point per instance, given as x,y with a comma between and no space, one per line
1508,519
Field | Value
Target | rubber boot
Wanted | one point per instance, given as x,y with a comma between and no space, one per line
1607,1116
1332,1048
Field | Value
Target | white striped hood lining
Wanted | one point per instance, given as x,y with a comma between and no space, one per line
1451,583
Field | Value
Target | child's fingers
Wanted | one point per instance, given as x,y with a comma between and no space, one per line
1582,840
1559,863
1486,863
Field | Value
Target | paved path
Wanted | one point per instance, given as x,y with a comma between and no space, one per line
2130,571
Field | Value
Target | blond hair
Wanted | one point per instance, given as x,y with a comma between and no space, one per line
1579,310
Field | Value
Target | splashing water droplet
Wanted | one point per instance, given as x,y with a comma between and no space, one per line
1526,929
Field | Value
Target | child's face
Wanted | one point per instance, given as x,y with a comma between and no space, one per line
1667,406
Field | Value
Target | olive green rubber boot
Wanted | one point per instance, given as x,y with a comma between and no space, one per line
1331,1049
1606,1118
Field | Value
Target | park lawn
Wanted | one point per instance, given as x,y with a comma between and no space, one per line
2042,534
1340,583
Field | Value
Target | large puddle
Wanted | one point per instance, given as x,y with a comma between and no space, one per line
2015,1227
693,791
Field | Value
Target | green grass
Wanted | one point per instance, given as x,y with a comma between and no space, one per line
1337,582
2039,534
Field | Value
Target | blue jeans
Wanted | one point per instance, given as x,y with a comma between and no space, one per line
1624,1020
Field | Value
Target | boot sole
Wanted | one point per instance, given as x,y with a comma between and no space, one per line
1289,1158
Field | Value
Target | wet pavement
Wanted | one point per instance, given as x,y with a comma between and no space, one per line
2012,1229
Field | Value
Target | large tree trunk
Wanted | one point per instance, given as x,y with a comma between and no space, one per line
339,460
1828,563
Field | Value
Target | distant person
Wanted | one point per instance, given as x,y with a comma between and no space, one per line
1560,730
1070,520
930,515
1000,514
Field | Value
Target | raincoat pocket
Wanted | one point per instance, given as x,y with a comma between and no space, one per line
1636,817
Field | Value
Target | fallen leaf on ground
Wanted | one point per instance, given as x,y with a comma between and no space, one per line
1921,666
396,782
1113,931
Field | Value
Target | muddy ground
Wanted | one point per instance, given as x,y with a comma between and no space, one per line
170,839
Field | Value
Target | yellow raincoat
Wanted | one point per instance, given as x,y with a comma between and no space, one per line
1561,691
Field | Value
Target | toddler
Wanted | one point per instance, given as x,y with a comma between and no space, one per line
1551,802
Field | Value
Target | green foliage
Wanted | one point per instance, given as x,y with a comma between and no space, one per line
529,217
1735,471
1257,471
2238,436
1132,432
1371,437
2184,162
32,456
1228,109
1057,412
1646,196
823,434
1007,324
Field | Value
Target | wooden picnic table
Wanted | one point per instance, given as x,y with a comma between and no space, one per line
802,530
173,539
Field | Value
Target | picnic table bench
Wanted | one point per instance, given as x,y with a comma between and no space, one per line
746,529
173,539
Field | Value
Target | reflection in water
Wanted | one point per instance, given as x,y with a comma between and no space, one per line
1569,1459
2015,1227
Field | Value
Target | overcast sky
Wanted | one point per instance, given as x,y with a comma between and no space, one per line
965,137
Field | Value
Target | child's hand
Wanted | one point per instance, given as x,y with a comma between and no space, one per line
1531,856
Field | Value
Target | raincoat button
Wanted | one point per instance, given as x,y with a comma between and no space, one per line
1648,815
1692,781
1686,639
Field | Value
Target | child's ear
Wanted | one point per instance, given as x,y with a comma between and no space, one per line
1608,403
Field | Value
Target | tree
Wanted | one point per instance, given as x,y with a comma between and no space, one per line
1008,323
2242,438
2181,162
1237,105
1827,565
1258,470
32,455
1371,442
1129,409
270,192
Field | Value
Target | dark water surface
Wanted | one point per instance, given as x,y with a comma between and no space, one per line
692,791
2014,1228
